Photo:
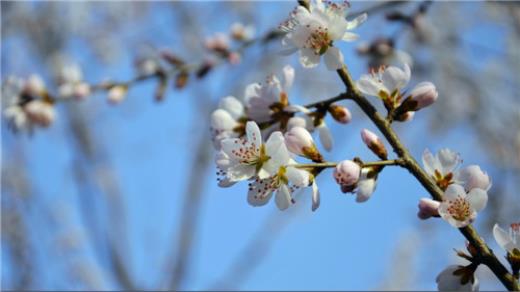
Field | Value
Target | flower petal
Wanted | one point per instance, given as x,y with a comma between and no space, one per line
356,21
253,134
233,106
277,151
325,136
288,77
453,192
297,177
260,191
333,58
449,160
349,36
308,58
395,78
240,172
503,238
477,198
369,86
430,162
315,196
283,197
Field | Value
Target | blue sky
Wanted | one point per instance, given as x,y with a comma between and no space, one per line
341,246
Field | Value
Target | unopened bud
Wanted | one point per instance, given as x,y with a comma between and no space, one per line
218,42
117,94
424,94
81,90
340,113
299,141
347,173
204,69
428,208
171,58
234,58
181,79
40,112
241,32
374,143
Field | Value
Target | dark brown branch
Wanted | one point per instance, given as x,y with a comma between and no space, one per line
486,254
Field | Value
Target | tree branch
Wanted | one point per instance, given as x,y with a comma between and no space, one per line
486,254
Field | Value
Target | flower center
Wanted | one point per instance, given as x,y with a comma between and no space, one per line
248,154
443,181
459,209
318,40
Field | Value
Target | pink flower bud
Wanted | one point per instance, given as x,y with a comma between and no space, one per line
117,94
340,113
218,42
424,94
234,58
473,177
299,141
347,173
374,143
428,208
81,90
40,112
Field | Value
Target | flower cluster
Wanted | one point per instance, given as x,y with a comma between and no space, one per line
27,104
237,129
389,83
465,190
313,31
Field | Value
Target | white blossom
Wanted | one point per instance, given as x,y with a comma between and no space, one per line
264,101
71,84
312,32
450,279
40,112
249,156
386,82
460,208
284,177
117,94
227,121
442,167
242,32
509,241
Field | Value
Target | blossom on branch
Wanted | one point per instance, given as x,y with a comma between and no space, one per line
312,33
227,121
270,100
457,278
442,167
71,84
27,104
249,156
508,241
460,208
